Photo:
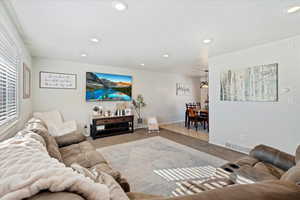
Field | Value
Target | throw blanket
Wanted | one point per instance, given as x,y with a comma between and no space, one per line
26,168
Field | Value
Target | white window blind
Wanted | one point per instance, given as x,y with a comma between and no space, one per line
9,62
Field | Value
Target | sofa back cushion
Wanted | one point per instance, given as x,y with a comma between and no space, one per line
51,145
50,117
273,156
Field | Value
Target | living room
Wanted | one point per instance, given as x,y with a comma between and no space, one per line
173,54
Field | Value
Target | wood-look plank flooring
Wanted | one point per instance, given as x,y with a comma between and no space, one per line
180,128
195,143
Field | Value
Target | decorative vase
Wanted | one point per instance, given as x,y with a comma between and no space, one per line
140,120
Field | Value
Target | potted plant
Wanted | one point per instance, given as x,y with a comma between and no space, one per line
138,104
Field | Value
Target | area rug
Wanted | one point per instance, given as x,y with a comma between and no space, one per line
137,161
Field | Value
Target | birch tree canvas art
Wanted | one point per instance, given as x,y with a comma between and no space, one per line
259,83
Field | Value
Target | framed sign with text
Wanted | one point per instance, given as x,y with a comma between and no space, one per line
53,80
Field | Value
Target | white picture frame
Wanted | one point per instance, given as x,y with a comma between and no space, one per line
54,80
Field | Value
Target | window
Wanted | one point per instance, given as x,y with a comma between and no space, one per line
9,62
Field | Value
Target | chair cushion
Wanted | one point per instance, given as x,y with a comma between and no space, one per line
68,139
273,156
83,153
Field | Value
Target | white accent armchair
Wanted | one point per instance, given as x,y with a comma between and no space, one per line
55,123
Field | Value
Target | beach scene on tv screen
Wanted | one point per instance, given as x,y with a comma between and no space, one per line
108,87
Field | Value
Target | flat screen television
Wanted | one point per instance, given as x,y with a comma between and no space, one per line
108,87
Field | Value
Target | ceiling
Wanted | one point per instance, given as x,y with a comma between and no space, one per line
61,29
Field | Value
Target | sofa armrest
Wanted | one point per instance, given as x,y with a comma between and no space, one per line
273,156
271,190
69,139
56,196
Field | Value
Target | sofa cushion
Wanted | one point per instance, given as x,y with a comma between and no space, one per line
53,150
68,139
292,175
116,192
273,156
84,171
104,167
269,168
83,153
251,173
246,160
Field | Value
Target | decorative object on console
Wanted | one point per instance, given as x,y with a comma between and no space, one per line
108,87
53,80
26,82
96,110
153,125
138,104
182,90
259,83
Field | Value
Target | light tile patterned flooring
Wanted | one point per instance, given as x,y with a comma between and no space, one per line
180,128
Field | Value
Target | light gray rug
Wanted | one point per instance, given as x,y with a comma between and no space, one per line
137,161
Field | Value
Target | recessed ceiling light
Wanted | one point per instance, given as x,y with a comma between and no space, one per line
142,64
293,9
119,5
94,40
84,55
166,56
207,41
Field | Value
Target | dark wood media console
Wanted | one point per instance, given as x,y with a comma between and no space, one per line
109,126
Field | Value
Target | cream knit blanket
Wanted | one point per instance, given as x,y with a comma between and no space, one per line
26,168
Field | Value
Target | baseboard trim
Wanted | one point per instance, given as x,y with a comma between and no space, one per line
171,122
224,145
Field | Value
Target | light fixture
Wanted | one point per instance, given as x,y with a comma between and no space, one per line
119,5
84,55
293,9
142,64
166,56
207,41
94,40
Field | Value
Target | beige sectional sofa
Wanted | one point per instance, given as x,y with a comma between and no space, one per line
280,181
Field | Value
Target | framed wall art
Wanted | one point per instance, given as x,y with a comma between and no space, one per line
53,80
26,82
259,83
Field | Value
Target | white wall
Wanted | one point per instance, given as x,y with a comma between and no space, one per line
158,89
25,108
250,123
